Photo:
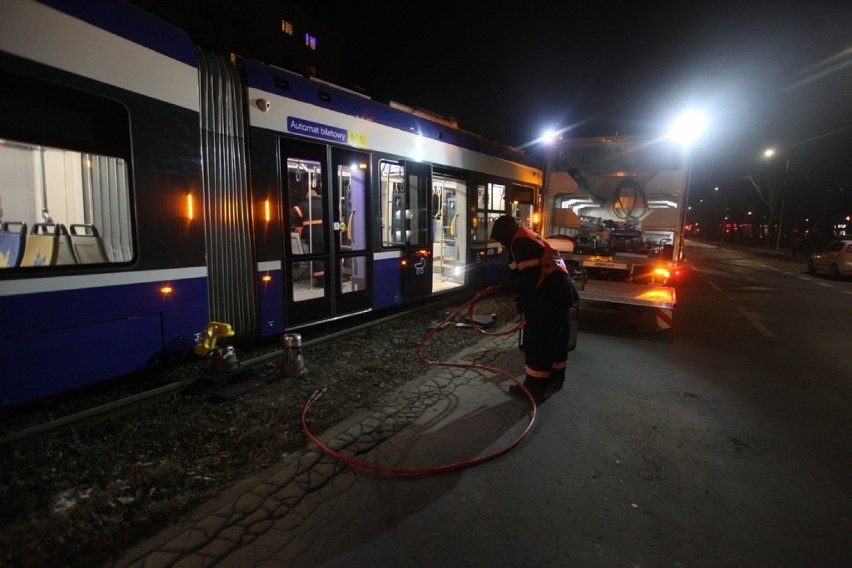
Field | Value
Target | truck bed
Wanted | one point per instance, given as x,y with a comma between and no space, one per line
627,264
661,299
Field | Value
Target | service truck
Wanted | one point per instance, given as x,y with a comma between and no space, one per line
615,207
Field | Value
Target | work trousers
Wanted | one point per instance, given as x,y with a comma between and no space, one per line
546,348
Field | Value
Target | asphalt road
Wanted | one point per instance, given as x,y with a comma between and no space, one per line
724,441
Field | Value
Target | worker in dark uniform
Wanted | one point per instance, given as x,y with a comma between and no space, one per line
546,294
306,218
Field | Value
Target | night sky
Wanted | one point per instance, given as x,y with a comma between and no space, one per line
767,73
764,71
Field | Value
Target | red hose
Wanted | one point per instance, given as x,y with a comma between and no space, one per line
451,466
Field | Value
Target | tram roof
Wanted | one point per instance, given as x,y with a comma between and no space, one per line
134,23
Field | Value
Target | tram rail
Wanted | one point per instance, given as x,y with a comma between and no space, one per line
248,367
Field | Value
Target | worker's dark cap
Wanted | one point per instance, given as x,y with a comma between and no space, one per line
504,229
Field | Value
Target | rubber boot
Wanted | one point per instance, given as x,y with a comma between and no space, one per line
556,382
536,387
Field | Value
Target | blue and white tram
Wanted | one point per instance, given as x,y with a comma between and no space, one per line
149,187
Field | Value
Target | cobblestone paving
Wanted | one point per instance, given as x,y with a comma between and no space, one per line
295,511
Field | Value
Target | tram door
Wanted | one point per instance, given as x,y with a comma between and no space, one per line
419,237
350,185
449,198
308,243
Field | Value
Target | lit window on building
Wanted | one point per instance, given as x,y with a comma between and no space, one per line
287,27
311,42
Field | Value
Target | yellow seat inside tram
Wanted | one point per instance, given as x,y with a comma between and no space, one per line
49,244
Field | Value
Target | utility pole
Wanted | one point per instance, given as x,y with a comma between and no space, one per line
783,197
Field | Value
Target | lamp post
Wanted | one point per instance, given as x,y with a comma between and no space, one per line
686,130
770,198
724,214
783,197
549,138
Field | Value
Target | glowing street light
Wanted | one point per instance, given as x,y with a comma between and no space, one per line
549,136
688,128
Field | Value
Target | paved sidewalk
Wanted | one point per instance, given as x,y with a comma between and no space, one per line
275,518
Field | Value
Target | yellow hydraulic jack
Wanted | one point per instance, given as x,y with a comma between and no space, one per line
224,357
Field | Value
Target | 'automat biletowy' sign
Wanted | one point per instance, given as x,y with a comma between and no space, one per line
325,131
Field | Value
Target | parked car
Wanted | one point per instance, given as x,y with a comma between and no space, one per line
834,258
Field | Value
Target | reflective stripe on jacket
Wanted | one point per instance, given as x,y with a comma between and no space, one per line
317,220
549,261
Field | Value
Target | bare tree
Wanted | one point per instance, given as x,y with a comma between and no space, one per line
772,195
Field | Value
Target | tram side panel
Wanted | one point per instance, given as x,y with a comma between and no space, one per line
169,204
269,216
388,279
70,326
75,322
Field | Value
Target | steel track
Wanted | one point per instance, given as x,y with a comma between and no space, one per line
130,403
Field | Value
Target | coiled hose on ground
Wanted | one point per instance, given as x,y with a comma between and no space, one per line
469,305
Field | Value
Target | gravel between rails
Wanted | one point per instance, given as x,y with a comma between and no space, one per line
80,497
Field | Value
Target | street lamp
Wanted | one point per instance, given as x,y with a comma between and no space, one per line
768,154
724,213
687,129
548,138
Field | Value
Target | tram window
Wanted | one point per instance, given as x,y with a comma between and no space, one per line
76,205
417,217
64,174
396,214
480,224
352,207
305,194
496,197
353,274
491,199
